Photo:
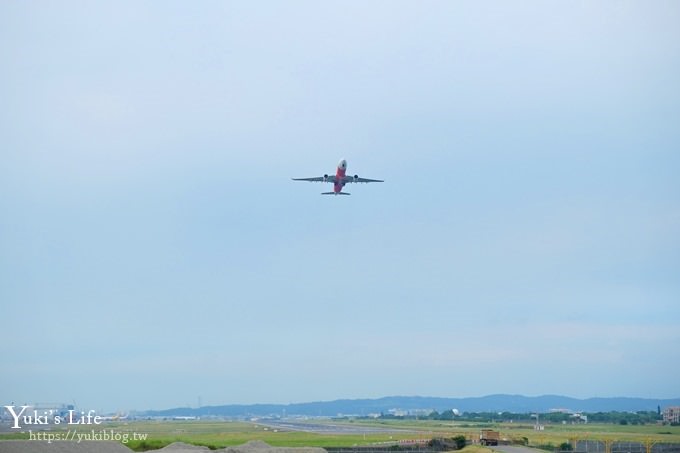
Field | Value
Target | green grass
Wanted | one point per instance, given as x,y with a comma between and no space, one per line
218,434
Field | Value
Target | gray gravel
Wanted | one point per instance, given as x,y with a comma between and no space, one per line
34,446
180,447
37,446
257,446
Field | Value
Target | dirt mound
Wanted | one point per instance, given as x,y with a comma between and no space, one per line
181,447
254,446
36,446
257,446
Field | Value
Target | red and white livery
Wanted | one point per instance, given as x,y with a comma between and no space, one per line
339,180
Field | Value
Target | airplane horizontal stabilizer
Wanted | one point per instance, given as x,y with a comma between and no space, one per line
335,193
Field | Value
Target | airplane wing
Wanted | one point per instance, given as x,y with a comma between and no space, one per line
330,178
357,179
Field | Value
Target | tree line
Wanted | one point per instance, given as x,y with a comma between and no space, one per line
614,417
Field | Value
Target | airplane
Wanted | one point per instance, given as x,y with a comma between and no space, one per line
116,417
339,180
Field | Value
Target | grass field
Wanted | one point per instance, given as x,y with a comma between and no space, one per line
218,434
553,433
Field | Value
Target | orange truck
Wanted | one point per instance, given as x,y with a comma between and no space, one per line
489,437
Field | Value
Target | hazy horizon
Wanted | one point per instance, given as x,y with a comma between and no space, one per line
154,250
426,397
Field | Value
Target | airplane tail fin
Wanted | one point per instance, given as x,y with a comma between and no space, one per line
335,193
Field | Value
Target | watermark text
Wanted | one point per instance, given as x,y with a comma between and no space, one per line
91,435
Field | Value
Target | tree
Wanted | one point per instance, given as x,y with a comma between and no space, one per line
460,441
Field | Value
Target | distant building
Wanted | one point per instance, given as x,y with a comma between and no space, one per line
420,412
671,414
561,410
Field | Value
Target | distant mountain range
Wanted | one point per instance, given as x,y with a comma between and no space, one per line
490,403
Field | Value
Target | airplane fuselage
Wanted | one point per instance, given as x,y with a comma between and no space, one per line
340,176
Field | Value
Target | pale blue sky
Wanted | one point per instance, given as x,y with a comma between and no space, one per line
153,248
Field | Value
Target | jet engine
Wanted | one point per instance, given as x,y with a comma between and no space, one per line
325,178
356,178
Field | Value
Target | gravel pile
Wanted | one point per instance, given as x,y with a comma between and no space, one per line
257,446
32,446
181,447
36,446
254,446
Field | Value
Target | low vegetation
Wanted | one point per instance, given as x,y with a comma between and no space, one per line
218,434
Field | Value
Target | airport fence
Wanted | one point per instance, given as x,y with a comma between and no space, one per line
598,446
